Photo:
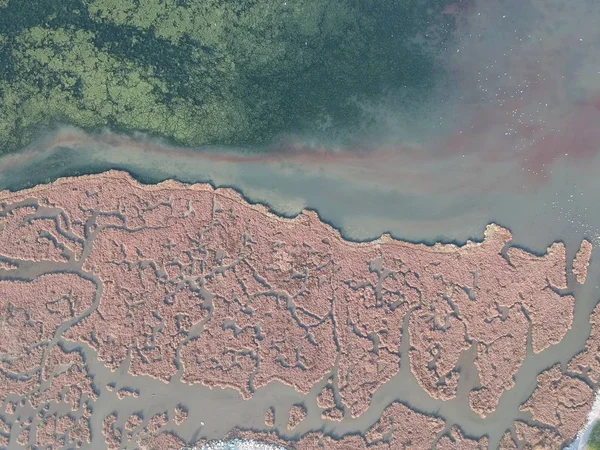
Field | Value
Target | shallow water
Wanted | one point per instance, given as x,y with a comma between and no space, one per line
561,207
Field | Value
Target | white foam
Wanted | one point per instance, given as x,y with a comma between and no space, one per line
237,444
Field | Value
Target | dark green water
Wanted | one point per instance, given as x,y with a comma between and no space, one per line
240,73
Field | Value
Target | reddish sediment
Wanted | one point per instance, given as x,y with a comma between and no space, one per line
326,398
134,434
58,431
399,427
561,402
507,442
270,417
244,298
582,261
4,426
455,439
296,415
112,434
126,392
534,437
333,414
181,414
586,363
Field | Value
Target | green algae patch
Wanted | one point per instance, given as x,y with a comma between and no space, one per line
207,72
593,442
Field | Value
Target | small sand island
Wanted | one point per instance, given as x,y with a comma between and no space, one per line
582,261
193,283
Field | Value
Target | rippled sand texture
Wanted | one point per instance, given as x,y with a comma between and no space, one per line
193,286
